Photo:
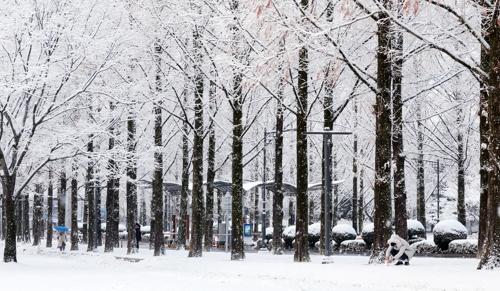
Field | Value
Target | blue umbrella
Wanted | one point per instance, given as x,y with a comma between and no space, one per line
61,228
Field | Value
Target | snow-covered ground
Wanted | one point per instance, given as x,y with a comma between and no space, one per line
215,271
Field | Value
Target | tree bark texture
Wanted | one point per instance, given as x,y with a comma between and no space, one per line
61,209
50,196
382,191
278,175
400,213
74,219
181,238
302,223
131,186
198,207
490,258
483,136
209,214
37,215
420,170
10,252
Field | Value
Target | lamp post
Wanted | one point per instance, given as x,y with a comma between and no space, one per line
327,136
95,213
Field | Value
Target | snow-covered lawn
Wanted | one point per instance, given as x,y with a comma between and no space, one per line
53,270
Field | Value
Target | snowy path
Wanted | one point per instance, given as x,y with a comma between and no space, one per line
98,271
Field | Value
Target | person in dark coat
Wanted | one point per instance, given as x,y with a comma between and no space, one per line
138,235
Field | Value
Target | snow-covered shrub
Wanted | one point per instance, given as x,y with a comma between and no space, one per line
367,234
425,247
342,232
415,228
289,236
269,233
448,230
463,246
258,244
313,234
356,245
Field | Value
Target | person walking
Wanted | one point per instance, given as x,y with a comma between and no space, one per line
138,235
399,250
61,242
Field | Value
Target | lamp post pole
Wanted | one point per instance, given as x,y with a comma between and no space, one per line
327,136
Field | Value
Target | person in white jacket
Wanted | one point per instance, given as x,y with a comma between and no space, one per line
399,250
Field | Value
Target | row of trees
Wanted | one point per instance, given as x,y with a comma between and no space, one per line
127,91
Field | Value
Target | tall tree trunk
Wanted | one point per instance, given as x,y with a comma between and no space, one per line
10,252
157,201
61,210
483,136
37,215
382,191
237,246
50,196
85,218
400,213
111,191
490,258
99,215
461,176
355,172
131,186
420,170
198,207
90,193
74,210
26,219
209,215
278,166
181,238
302,223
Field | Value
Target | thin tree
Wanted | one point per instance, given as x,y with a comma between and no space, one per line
131,186
37,214
209,204
74,212
50,196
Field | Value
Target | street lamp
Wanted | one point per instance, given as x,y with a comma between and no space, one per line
327,136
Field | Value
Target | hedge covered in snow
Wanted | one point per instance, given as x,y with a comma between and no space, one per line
446,231
463,246
356,245
342,232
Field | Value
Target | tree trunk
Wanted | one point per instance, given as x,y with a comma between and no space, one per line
483,137
61,210
302,223
278,170
111,191
461,178
420,170
90,193
157,201
181,238
400,213
26,219
9,252
37,215
355,173
198,207
209,215
131,186
490,258
85,218
74,218
237,246
382,191
50,196
335,192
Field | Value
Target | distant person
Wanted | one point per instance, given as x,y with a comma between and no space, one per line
61,242
399,250
138,235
